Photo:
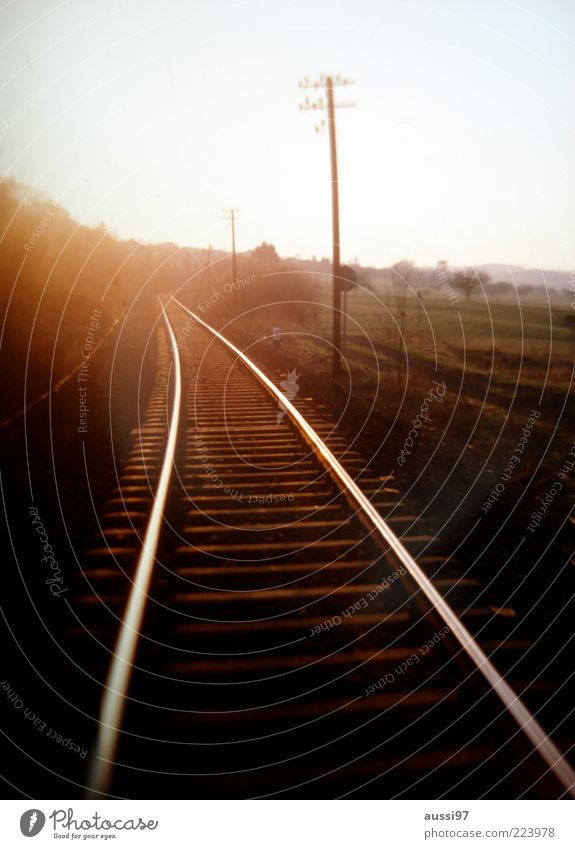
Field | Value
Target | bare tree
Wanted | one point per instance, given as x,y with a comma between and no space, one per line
470,280
404,307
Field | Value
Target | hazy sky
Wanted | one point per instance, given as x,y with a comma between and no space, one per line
152,116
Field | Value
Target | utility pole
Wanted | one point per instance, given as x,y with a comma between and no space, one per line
328,82
344,331
230,215
208,263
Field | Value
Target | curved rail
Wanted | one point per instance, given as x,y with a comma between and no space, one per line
537,736
118,679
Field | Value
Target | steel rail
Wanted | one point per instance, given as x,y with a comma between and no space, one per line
535,733
119,674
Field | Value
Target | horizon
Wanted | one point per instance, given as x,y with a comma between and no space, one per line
32,196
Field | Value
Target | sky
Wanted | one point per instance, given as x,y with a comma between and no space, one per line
154,116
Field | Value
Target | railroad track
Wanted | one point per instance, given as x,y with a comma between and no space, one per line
256,618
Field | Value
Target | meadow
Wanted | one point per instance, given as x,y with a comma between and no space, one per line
528,344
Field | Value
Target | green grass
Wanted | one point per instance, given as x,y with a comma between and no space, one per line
509,338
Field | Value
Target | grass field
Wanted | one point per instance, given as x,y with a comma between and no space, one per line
527,344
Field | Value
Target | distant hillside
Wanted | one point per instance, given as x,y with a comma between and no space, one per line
499,273
532,276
